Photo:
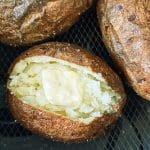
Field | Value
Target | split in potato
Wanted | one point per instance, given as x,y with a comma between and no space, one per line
58,86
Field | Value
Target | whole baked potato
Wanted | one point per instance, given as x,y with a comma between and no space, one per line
64,93
28,21
125,27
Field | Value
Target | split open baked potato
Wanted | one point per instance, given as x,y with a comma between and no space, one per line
63,92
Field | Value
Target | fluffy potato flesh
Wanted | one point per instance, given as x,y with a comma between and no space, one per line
62,88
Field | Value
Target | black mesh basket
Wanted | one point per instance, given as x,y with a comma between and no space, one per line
132,130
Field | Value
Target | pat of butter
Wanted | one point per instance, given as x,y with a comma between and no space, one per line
62,87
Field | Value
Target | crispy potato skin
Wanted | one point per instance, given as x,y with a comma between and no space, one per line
125,27
28,21
60,128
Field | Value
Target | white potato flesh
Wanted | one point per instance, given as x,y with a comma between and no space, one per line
61,87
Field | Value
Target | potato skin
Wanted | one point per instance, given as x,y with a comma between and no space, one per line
125,27
60,128
27,21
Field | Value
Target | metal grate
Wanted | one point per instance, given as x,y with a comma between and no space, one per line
131,132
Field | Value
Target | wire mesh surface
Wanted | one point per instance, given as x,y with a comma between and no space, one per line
132,130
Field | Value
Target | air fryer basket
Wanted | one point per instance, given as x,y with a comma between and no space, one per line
132,130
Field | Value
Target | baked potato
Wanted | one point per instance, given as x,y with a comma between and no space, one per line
27,21
125,27
64,93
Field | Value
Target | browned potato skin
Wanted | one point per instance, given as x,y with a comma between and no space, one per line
60,128
125,27
25,22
